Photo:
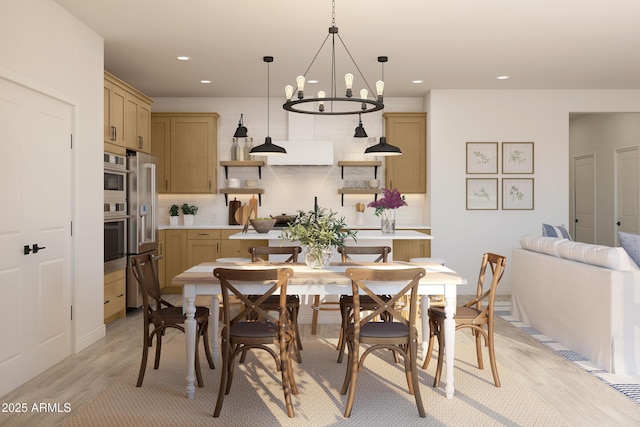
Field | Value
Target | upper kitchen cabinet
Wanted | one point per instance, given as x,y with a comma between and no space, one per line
127,117
408,172
138,124
186,147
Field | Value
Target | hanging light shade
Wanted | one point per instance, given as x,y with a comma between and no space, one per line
383,149
241,132
360,132
325,104
268,148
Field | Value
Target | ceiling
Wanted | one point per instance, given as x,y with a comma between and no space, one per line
449,44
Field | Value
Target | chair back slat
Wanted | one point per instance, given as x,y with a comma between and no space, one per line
497,265
362,278
292,251
275,278
382,252
145,271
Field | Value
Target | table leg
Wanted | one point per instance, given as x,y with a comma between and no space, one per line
214,324
449,337
424,317
190,332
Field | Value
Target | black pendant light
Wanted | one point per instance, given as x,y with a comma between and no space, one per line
241,132
383,149
360,132
268,148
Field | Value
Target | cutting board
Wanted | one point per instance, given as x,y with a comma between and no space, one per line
253,203
242,214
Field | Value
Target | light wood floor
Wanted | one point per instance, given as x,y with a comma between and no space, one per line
580,397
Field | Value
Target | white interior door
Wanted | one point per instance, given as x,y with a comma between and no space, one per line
626,191
35,187
584,182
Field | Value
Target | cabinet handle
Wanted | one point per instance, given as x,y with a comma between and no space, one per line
106,302
166,185
120,296
140,142
209,185
113,133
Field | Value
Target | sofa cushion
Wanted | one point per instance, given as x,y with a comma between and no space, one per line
602,256
545,245
555,231
631,244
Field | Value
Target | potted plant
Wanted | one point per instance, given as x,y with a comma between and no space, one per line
189,212
386,208
318,231
174,212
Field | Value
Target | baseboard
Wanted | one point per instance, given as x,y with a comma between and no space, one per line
90,338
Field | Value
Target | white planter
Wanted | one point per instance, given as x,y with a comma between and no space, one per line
173,220
188,219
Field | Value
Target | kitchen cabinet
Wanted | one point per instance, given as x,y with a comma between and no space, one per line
237,248
138,124
407,172
115,100
174,257
184,248
115,300
185,145
127,116
404,250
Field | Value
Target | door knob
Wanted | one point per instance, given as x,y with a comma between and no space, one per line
36,248
27,250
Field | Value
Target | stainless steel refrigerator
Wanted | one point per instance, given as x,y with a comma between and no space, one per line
142,201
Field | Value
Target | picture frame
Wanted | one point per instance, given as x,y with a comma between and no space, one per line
482,194
517,193
517,157
482,157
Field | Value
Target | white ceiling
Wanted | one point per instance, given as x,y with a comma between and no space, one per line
449,44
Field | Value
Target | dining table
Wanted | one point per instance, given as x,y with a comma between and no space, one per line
199,280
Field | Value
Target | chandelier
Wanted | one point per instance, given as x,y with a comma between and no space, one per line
330,103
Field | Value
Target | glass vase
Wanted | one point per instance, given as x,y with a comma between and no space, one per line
317,257
388,221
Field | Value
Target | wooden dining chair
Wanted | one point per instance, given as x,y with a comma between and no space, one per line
161,315
477,315
262,330
380,254
399,335
273,302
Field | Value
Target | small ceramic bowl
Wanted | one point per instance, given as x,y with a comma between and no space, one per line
233,183
250,183
374,183
262,225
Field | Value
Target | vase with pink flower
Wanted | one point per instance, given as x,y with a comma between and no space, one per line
386,208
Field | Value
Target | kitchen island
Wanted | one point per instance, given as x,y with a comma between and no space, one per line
362,238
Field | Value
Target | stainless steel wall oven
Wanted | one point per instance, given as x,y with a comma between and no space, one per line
115,212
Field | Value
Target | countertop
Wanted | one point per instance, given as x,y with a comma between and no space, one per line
239,227
361,235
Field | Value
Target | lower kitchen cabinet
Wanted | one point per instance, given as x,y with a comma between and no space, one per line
182,249
115,300
404,250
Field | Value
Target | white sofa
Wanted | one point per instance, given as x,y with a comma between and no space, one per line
585,297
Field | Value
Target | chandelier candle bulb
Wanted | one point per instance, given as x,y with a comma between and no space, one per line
364,93
348,81
380,88
300,83
288,91
321,96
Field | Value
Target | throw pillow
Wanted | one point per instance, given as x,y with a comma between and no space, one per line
555,231
631,244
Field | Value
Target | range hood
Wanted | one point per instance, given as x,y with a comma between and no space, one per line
304,153
302,149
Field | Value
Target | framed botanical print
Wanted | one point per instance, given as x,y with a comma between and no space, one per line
482,157
517,193
517,157
482,193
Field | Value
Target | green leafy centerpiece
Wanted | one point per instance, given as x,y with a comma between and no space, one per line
386,208
318,231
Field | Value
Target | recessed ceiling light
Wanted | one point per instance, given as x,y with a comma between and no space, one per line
503,77
184,58
312,81
205,81
417,81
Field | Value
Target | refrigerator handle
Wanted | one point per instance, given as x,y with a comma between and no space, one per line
154,202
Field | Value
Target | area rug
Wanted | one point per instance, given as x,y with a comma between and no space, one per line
629,387
256,397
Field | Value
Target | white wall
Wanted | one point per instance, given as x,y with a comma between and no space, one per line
290,188
602,134
47,49
541,116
